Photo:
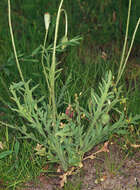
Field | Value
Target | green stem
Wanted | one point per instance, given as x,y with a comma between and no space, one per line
66,19
13,42
125,43
53,66
42,61
131,45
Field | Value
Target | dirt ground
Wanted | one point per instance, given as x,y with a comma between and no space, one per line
111,170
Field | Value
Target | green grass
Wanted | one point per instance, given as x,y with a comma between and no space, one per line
84,63
31,29
69,186
18,168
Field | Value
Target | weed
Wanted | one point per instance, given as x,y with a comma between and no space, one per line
61,133
56,130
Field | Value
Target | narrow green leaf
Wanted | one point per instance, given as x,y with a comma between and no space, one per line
5,153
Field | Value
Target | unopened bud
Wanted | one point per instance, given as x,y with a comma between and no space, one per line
47,20
63,41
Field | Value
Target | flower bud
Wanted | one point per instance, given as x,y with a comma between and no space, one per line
47,20
64,40
105,119
69,111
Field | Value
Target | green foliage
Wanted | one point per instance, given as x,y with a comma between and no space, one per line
64,138
67,139
82,20
4,154
19,166
72,186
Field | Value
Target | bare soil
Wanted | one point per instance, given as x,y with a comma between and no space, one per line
108,171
